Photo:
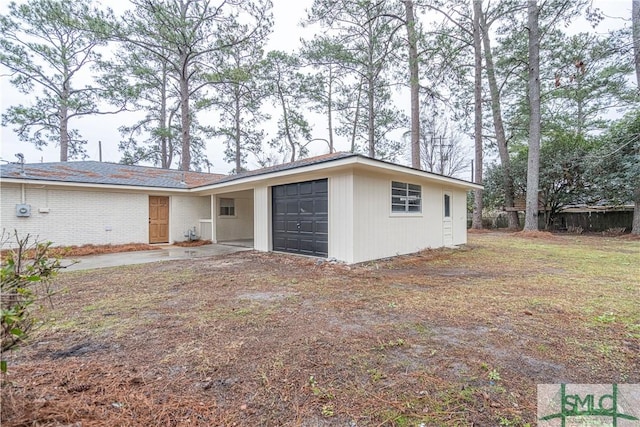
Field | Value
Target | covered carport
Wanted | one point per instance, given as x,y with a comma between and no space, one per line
232,218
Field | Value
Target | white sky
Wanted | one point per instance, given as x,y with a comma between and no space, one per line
286,35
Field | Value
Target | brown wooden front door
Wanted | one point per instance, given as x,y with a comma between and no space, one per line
158,219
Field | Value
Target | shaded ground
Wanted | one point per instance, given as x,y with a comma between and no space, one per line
444,337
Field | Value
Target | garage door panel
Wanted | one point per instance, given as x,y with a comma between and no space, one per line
278,191
306,227
292,207
279,226
307,207
322,227
279,243
307,245
321,206
306,188
300,218
280,207
320,186
313,247
292,244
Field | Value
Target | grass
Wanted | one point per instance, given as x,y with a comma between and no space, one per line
443,337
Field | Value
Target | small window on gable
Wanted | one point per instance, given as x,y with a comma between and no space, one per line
447,206
405,197
227,207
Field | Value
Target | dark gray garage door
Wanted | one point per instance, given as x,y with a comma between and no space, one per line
300,218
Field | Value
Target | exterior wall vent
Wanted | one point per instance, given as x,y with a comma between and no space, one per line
23,210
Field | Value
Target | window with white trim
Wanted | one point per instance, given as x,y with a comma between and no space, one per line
227,207
405,197
447,206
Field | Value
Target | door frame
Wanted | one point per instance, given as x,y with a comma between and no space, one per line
273,218
168,227
447,220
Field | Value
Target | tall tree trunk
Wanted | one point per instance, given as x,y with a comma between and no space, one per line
237,131
477,92
64,132
370,118
185,163
330,110
287,130
355,119
163,121
580,115
63,114
498,124
414,84
635,225
170,140
533,164
635,23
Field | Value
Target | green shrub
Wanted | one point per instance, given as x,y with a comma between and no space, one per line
26,272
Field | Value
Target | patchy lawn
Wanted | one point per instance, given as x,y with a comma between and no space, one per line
84,250
444,337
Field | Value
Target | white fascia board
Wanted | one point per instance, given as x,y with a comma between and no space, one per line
83,185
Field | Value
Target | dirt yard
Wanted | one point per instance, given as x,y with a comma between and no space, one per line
443,337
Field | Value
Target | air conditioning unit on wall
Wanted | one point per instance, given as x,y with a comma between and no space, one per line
23,210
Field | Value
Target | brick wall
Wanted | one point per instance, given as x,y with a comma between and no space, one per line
186,213
77,217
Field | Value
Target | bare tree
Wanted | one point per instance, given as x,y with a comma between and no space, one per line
441,150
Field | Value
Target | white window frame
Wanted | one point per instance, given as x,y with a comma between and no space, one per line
226,203
405,197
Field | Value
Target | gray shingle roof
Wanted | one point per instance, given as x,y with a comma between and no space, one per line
287,166
92,172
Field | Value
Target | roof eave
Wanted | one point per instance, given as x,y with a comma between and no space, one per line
334,164
43,182
455,182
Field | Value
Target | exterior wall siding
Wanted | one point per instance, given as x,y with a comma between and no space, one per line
185,213
77,217
378,233
341,219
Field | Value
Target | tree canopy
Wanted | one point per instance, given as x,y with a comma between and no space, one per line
390,79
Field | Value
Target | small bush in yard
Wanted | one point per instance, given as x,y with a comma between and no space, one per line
26,271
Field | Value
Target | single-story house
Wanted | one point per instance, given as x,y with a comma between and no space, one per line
343,206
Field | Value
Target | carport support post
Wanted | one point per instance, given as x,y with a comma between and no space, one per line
261,219
214,218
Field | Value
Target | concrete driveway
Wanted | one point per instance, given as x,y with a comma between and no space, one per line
165,253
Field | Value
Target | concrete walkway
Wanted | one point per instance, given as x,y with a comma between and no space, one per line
165,253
